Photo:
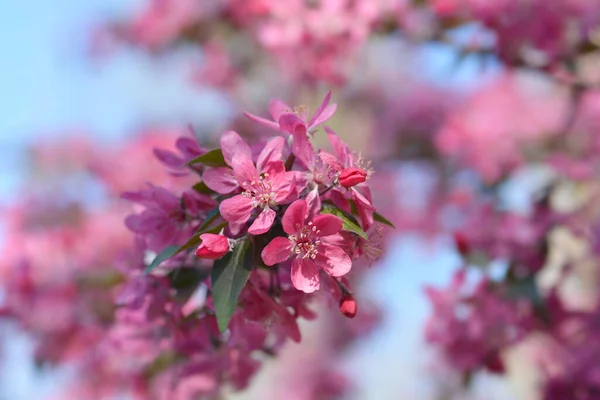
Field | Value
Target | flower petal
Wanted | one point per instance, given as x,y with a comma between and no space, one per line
333,259
313,202
272,152
278,107
319,110
303,149
233,146
263,121
263,222
236,209
244,171
328,224
341,149
292,124
220,180
324,116
294,216
363,206
305,275
278,250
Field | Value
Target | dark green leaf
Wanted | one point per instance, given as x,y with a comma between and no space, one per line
185,281
229,276
167,253
380,218
376,216
525,288
201,187
349,223
213,158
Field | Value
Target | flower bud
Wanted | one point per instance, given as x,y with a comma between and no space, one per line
348,306
461,243
352,176
213,246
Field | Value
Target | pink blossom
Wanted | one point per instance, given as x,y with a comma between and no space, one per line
265,189
296,123
307,247
223,180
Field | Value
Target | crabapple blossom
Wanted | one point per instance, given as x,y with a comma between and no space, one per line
307,245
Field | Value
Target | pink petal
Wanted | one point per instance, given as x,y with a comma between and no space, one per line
263,222
319,110
313,202
331,160
272,152
364,207
244,170
236,209
277,251
189,147
333,259
305,275
341,149
294,216
328,224
169,158
324,116
303,149
276,170
278,107
265,122
220,180
233,146
291,124
285,188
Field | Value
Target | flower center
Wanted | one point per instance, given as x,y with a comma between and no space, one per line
260,191
362,163
306,241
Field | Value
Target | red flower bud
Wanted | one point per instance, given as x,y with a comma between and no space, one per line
348,306
213,246
352,176
461,243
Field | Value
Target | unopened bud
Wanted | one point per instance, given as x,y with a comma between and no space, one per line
461,243
352,176
348,306
213,246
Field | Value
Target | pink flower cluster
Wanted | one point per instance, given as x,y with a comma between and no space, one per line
244,250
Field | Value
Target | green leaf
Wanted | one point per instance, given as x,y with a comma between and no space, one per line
201,187
380,218
349,223
162,362
164,255
525,288
186,280
376,216
213,158
229,276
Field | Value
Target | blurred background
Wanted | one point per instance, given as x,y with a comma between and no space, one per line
89,89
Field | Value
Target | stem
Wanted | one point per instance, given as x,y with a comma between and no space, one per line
326,190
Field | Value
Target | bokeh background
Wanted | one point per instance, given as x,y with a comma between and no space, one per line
57,84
